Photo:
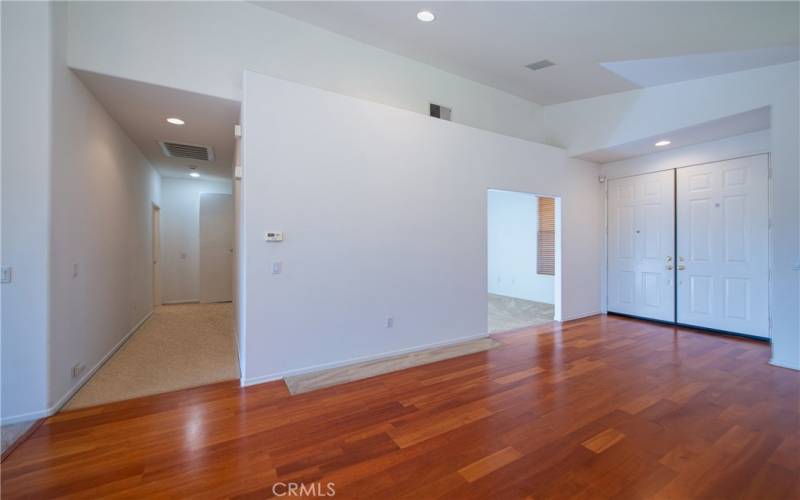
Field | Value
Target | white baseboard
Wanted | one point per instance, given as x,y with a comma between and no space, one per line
173,302
336,364
785,364
25,417
76,387
580,315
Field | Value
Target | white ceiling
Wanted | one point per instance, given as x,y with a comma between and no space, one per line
729,126
141,110
491,42
650,72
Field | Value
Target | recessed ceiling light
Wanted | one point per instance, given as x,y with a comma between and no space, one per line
175,121
663,143
425,16
194,174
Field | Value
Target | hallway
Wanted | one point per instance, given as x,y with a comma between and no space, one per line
180,346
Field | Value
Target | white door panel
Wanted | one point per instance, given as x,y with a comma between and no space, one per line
641,232
722,216
216,247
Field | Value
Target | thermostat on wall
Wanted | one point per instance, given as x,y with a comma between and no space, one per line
273,236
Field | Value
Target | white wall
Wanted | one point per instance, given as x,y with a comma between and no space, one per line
512,224
102,194
81,193
596,123
180,236
26,115
384,213
204,46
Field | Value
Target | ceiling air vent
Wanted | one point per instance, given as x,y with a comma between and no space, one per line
188,151
544,63
438,111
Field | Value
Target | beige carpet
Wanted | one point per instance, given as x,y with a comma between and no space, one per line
312,381
180,346
509,313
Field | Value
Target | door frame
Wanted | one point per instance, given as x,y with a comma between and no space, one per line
558,314
156,253
770,243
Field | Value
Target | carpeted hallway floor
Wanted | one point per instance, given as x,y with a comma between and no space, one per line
508,313
180,346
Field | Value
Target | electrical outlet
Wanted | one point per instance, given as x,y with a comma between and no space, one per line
389,322
277,267
78,369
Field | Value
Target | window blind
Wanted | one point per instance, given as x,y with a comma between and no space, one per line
546,237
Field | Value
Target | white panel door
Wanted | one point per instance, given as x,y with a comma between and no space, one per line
722,243
216,247
641,239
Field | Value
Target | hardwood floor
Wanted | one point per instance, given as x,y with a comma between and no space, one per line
597,408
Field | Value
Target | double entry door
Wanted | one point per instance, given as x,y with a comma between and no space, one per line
689,246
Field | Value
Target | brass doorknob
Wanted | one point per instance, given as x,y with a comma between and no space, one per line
681,267
669,268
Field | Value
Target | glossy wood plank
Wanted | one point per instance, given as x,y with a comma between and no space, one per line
489,464
603,441
595,408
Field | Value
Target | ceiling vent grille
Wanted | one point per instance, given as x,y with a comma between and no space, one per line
187,151
441,112
544,63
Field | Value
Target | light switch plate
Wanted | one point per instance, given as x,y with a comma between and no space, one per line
273,236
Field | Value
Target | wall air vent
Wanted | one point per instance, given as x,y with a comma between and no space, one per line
438,111
187,151
544,63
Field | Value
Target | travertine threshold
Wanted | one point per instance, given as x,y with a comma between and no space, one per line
10,433
308,382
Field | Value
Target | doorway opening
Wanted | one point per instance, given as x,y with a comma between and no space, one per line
523,260
185,336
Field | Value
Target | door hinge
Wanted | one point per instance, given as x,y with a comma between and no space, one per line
769,172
